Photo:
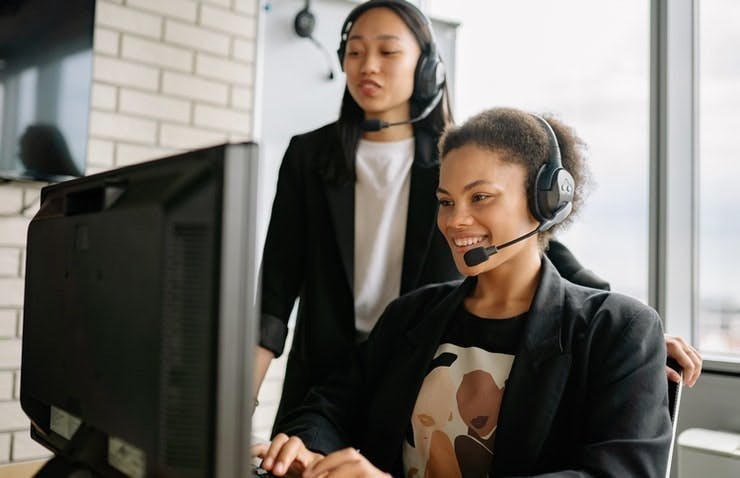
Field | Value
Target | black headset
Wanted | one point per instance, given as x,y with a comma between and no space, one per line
552,194
429,77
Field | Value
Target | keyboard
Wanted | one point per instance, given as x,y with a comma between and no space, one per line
259,472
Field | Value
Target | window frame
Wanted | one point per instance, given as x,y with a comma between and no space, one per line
673,288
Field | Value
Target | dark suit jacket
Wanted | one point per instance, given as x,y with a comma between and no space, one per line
586,395
309,253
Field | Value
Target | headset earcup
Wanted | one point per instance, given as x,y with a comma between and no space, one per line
553,191
340,55
429,77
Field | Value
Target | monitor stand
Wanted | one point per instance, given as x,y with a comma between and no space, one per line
58,467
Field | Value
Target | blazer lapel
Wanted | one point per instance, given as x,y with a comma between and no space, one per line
407,376
422,211
341,200
536,383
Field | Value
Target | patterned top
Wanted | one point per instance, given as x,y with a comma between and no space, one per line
453,425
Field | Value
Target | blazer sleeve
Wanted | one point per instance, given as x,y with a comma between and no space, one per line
333,414
327,420
627,425
283,260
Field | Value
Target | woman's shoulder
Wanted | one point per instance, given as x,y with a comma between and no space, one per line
318,135
307,151
429,294
423,298
598,307
406,311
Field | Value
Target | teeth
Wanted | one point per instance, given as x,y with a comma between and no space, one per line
467,241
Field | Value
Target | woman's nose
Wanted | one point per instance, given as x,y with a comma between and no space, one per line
460,216
370,64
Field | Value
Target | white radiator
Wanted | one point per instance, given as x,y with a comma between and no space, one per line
708,454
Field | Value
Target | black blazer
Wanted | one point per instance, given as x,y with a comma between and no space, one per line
586,395
309,254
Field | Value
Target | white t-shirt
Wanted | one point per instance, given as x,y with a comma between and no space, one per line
381,206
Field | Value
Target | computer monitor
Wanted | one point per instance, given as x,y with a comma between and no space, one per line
139,317
46,70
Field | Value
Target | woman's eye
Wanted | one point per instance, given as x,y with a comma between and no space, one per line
480,197
389,52
444,202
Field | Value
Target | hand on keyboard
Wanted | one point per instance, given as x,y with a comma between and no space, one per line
257,471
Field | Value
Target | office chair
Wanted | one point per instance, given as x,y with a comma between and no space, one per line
674,401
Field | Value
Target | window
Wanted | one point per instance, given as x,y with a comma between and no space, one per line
587,63
718,321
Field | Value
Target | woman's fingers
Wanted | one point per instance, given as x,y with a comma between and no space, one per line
343,463
288,457
259,449
695,371
673,376
281,454
687,357
285,455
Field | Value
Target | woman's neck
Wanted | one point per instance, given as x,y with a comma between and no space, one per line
507,290
392,133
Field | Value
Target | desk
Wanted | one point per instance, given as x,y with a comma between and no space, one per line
21,470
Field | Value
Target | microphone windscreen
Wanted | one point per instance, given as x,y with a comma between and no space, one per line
475,256
372,125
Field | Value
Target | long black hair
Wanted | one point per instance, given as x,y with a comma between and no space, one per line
351,116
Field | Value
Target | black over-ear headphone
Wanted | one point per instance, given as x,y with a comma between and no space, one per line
552,194
429,77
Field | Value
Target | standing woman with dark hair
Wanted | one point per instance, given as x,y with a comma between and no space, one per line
353,221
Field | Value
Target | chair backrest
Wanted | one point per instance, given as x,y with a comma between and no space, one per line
674,402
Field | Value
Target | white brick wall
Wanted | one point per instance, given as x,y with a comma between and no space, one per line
188,86
13,230
156,53
130,154
120,127
153,105
241,98
168,75
24,448
8,328
183,9
11,200
17,385
106,41
124,73
197,38
243,50
105,97
4,447
11,292
224,119
10,356
184,137
128,20
7,384
222,69
224,20
100,153
9,262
